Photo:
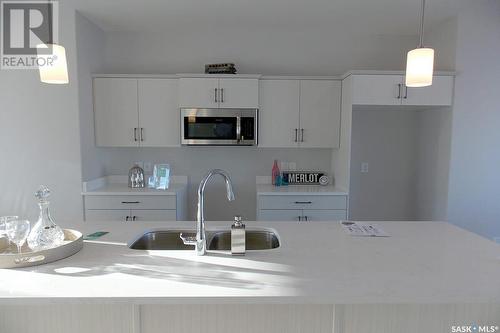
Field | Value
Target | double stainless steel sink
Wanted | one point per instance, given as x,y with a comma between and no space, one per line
217,240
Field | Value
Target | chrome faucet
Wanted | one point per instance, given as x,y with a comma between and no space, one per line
201,239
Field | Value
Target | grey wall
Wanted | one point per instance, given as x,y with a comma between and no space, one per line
40,140
386,139
474,194
243,164
433,161
90,45
259,50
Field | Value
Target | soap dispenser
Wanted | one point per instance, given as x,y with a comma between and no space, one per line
238,246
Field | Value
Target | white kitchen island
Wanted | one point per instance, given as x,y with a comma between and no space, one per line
429,274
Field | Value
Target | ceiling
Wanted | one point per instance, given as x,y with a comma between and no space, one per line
377,17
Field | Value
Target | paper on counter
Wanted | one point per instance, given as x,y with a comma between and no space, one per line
363,229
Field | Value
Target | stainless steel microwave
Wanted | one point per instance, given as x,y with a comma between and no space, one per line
219,127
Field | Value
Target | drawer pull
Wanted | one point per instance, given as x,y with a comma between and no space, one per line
303,202
131,202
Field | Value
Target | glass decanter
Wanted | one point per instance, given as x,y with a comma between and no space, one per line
45,234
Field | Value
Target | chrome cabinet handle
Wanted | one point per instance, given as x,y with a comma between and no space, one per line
296,135
301,135
130,202
215,95
222,95
303,202
135,134
406,92
142,134
399,91
238,129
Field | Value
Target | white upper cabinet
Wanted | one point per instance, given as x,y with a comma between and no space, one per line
133,112
239,93
198,93
115,112
377,89
439,93
218,93
159,115
299,113
380,89
320,113
279,113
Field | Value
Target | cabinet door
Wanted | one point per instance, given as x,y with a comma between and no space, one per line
198,93
320,113
439,93
279,113
377,89
324,215
107,215
159,115
279,214
153,215
239,93
115,112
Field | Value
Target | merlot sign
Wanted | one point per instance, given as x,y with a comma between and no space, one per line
304,178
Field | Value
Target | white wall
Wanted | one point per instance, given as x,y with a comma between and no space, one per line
90,45
242,163
474,198
386,138
40,139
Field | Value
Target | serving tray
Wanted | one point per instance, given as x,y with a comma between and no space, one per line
9,258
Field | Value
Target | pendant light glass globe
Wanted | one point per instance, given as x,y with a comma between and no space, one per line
419,67
55,69
420,61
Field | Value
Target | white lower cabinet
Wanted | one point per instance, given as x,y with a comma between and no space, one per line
132,208
301,207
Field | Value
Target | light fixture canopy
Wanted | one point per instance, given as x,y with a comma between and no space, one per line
420,61
56,71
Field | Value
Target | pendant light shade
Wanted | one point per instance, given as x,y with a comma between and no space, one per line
56,71
419,67
420,61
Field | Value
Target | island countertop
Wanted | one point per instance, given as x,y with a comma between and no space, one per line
317,263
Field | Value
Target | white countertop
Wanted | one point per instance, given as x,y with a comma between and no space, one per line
117,185
268,189
123,189
423,262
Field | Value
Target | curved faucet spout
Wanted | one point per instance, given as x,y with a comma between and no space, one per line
201,241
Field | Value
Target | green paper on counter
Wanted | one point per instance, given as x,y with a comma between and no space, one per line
95,235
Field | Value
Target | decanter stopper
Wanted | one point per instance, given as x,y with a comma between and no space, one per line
43,193
45,234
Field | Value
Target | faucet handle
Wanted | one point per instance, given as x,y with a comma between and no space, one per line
188,239
237,221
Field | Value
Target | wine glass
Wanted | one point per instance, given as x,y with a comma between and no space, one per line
3,220
17,231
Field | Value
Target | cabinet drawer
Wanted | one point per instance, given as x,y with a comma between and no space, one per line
324,215
130,202
107,215
154,215
279,214
302,202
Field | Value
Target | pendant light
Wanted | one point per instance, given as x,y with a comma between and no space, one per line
56,71
420,61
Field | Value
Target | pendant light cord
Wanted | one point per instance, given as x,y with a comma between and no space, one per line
422,17
50,9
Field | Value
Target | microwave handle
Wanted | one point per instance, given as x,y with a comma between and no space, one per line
238,129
